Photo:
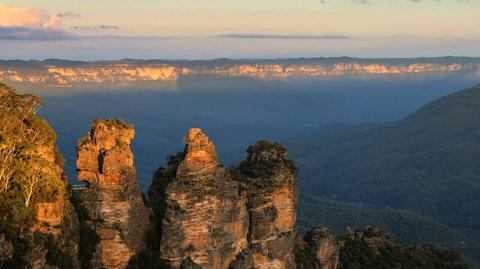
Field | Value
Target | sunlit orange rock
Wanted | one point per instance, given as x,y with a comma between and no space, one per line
216,219
118,74
113,198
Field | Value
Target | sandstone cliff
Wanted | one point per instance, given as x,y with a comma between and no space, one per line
213,218
155,74
113,200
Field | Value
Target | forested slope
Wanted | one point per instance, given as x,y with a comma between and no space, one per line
427,164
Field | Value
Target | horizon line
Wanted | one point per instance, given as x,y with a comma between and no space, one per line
241,59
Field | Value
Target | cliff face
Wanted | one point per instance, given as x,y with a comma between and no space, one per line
113,199
297,71
124,74
215,218
121,74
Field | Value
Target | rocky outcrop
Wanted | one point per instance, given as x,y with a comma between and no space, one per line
204,221
51,213
113,199
269,178
323,245
214,218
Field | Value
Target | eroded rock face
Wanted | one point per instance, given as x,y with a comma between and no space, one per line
51,213
113,199
269,178
213,218
324,246
203,218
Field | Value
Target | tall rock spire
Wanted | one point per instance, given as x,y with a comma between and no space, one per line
113,199
204,221
216,219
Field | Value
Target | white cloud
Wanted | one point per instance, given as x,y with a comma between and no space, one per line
31,24
13,16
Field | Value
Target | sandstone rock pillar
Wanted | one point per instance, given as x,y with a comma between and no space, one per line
272,196
113,200
203,217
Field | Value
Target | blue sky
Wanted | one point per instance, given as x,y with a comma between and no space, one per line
107,29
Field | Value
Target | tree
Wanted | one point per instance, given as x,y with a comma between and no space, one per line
7,154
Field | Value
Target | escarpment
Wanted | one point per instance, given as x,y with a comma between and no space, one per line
166,74
112,201
217,218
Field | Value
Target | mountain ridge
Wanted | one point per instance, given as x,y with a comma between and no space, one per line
58,73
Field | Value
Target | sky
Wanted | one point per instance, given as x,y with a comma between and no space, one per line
193,29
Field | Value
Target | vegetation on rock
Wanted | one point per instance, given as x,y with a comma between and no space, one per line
30,174
118,123
264,159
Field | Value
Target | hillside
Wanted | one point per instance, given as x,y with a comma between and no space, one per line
426,163
37,221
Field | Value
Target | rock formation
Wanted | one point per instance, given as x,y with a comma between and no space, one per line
113,199
203,218
269,178
324,246
213,218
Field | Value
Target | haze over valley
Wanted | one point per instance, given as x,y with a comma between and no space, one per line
236,101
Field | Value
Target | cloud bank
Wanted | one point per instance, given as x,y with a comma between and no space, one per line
292,36
23,33
95,27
